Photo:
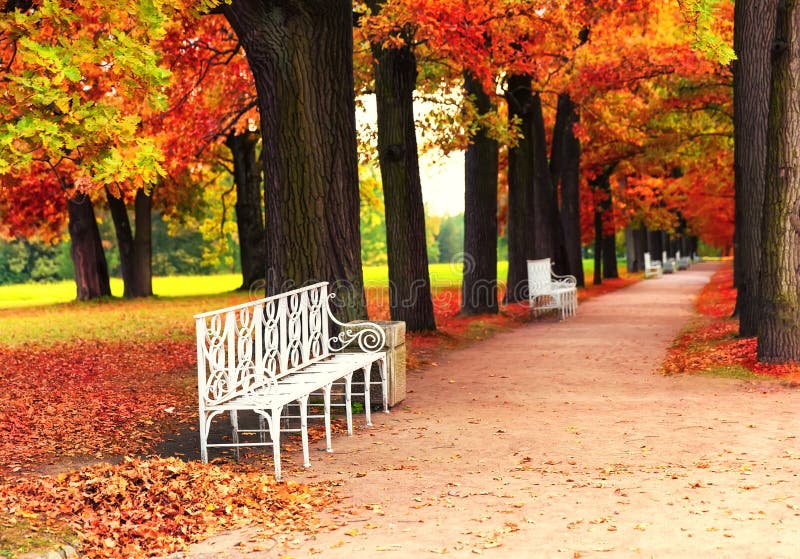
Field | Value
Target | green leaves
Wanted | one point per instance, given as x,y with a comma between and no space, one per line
82,76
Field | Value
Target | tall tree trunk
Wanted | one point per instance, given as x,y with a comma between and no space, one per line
597,278
779,327
409,282
565,171
301,55
122,229
86,250
602,187
479,288
548,236
249,209
142,241
754,28
519,229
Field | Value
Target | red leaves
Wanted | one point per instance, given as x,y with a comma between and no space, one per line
92,398
710,342
144,508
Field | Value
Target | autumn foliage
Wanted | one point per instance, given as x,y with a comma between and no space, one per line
710,343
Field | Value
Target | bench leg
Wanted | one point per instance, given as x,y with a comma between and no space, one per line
304,429
235,433
348,399
367,389
384,384
205,423
275,433
327,397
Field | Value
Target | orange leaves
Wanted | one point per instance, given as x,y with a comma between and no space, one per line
142,508
710,343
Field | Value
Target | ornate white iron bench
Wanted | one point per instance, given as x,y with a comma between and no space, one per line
652,268
264,355
549,291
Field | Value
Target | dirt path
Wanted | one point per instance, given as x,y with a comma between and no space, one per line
562,440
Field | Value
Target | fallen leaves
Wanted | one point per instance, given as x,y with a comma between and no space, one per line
710,344
141,508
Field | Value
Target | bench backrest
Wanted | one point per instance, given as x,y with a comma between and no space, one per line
249,346
647,260
540,281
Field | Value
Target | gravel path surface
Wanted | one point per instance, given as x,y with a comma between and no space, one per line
562,439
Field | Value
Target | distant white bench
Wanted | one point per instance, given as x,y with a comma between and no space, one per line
549,291
669,264
683,262
652,268
264,355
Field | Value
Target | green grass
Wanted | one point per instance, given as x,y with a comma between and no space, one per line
731,371
32,294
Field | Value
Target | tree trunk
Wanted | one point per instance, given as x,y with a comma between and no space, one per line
779,327
654,244
602,208
565,171
135,253
479,288
301,55
598,246
122,229
409,282
631,263
610,257
86,250
249,209
142,209
754,28
519,229
548,236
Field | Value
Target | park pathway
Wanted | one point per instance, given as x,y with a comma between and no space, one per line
562,439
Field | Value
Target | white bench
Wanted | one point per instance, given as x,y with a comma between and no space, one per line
668,264
264,355
549,291
683,262
652,268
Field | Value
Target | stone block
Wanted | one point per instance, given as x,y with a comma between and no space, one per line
395,364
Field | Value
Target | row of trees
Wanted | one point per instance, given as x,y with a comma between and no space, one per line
577,119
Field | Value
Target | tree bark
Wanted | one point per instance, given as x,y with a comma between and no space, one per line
601,244
548,235
610,256
631,263
122,229
86,250
135,252
301,55
754,28
249,208
654,244
142,242
479,287
519,229
565,162
409,282
779,327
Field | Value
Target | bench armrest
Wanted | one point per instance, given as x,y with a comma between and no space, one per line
370,337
